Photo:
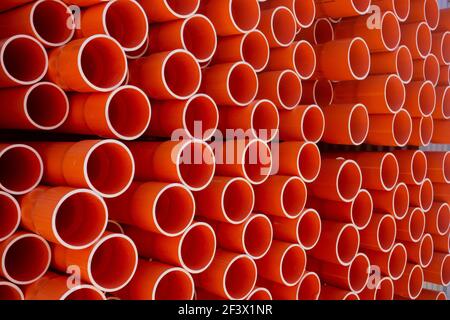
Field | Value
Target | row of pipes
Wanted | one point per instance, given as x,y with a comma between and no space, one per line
110,188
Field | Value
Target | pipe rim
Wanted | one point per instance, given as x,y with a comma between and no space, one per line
18,211
206,20
246,224
232,180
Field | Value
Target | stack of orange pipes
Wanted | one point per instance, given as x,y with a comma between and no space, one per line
224,149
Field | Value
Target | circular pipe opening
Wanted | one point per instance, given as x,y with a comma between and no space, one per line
309,228
199,37
431,68
174,278
415,282
313,124
426,195
255,50
309,161
389,171
240,277
445,47
283,25
427,99
400,201
423,39
348,180
445,270
426,250
390,31
181,74
201,117
304,12
293,197
265,120
432,13
198,235
182,8
401,9
9,291
362,209
446,103
347,244
289,89
442,219
309,287
402,127
404,64
358,273
196,165
9,215
238,200
245,14
359,59
257,236
419,166
384,289
358,124
426,128
293,265
260,294
304,59
323,31
242,84
361,6
416,224
395,93
85,292
397,261
257,162
386,233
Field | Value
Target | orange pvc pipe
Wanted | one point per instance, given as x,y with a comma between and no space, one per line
260,294
398,62
195,34
168,10
10,4
321,31
304,10
251,47
341,8
417,37
25,258
139,52
441,47
83,3
421,252
444,76
10,291
425,10
231,17
21,168
332,293
226,199
308,288
382,290
121,114
412,165
441,243
442,110
156,281
438,271
230,83
394,202
166,66
351,59
320,92
432,295
114,227
355,119
427,69
81,164
422,131
390,129
73,218
303,123
281,196
284,263
109,264
190,162
385,37
122,20
50,22
252,237
298,158
338,180
409,285
283,88
9,215
304,230
53,286
441,132
391,263
422,195
249,159
380,233
420,98
381,94
260,119
230,275
171,207
444,23
279,26
338,243
412,226
401,8
299,57
23,61
182,250
438,166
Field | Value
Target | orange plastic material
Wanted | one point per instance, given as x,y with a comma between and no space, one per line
23,61
438,166
304,230
282,196
432,295
195,34
421,195
391,263
156,281
83,3
284,263
353,277
25,258
320,92
303,123
421,252
190,162
74,218
176,75
385,37
230,275
379,235
444,76
398,62
230,83
260,294
34,19
283,88
21,168
251,47
380,94
441,132
382,289
351,59
10,291
299,57
338,180
353,117
425,10
158,207
427,69
422,131
252,237
390,129
226,199
139,52
122,114
409,285
9,4
81,164
420,98
442,110
114,252
338,243
412,165
304,11
394,202
308,288
412,226
320,31
297,158
249,159
260,119
167,10
279,26
342,8
9,214
442,192
53,286
441,243
417,37
401,8
333,293
444,23
438,271
122,20
193,250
